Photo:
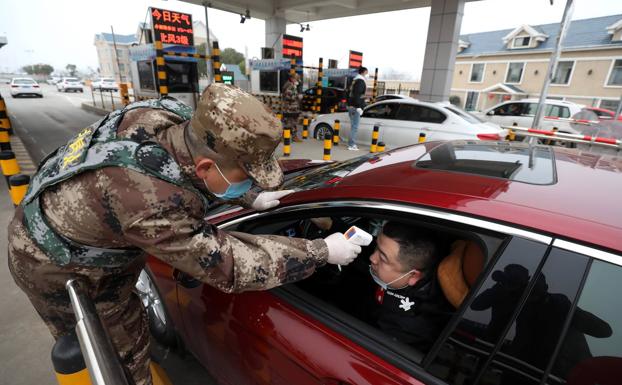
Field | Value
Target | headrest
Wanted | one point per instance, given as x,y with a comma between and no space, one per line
459,270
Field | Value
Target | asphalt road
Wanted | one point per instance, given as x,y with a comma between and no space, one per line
43,124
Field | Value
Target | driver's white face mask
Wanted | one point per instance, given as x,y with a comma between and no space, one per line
384,285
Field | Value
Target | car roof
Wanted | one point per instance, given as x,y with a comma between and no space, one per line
581,204
410,101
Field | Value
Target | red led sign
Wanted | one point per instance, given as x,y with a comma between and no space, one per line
292,46
171,27
356,59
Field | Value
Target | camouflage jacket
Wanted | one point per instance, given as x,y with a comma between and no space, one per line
289,98
115,207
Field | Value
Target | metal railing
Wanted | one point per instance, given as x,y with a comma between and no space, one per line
99,354
106,96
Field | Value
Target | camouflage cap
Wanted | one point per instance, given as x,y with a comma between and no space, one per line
237,126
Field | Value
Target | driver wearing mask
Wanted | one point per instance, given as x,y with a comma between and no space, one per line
409,304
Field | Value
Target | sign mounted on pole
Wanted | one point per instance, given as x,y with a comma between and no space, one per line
292,47
227,77
356,59
172,27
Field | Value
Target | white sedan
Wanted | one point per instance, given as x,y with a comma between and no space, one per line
25,86
402,120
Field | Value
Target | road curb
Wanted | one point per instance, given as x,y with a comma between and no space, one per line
96,110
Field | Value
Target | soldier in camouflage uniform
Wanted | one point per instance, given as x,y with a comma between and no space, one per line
140,182
290,104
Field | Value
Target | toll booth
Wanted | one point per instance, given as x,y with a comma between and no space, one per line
182,73
268,76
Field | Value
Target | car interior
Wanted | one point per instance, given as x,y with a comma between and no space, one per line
345,294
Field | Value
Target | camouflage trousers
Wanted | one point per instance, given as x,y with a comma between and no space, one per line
118,306
291,121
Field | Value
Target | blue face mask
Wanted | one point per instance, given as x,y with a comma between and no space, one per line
385,285
235,190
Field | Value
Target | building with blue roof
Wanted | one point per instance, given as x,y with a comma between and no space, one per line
512,64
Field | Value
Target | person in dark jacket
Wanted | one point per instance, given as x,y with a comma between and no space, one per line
356,103
409,304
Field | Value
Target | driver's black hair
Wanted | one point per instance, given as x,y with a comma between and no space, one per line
417,245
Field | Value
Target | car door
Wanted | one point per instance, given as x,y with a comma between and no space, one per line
381,114
413,120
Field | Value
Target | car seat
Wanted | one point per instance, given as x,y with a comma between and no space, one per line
459,270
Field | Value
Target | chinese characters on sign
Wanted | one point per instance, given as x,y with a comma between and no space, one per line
171,27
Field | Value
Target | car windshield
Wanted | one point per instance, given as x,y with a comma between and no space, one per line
107,80
464,115
24,81
71,80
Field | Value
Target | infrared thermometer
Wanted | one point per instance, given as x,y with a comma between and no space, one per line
358,237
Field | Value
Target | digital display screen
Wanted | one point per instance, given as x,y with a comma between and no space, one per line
292,46
356,59
171,27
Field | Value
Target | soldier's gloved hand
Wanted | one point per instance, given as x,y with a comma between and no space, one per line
269,199
340,250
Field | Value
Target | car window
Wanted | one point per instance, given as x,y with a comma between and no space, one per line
71,79
23,81
417,113
528,346
352,293
509,109
488,315
557,111
593,345
381,111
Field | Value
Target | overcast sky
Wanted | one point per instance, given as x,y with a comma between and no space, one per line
59,32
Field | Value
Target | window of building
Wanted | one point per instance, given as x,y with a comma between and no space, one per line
562,74
477,73
521,42
615,77
471,100
269,81
515,73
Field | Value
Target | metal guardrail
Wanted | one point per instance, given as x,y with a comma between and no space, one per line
99,354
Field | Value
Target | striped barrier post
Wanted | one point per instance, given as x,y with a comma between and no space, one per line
125,94
216,62
5,140
337,126
9,165
287,141
374,92
5,122
18,187
328,144
160,68
305,128
380,147
422,137
374,139
317,105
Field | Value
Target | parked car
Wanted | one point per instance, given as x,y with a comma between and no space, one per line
105,84
528,238
402,120
603,113
69,84
331,97
521,113
25,86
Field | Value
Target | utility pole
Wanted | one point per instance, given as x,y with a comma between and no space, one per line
116,55
563,28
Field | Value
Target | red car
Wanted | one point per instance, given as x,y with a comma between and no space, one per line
538,273
603,113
